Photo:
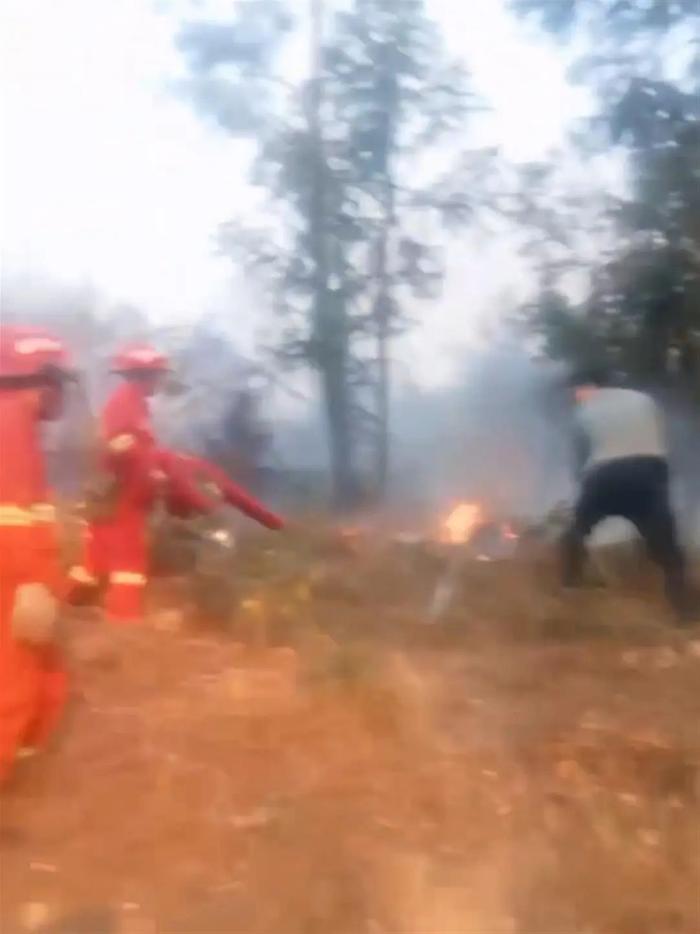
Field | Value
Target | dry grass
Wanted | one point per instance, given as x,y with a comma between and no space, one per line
529,766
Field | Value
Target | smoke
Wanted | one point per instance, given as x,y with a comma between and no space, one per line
212,374
211,370
498,435
501,434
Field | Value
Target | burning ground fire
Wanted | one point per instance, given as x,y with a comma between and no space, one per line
467,520
467,525
461,524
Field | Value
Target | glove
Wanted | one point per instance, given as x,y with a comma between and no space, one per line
34,615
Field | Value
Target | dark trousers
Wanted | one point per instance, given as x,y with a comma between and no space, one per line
636,489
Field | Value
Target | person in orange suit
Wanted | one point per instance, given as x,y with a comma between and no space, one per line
34,367
218,485
116,543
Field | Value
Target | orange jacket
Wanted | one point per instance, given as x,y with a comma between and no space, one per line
33,684
131,454
128,445
28,550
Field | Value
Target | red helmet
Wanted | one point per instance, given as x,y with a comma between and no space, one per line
30,351
140,358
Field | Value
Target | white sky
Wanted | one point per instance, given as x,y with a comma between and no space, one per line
108,179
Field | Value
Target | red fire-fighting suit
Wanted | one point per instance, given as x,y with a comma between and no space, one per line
202,473
116,546
33,683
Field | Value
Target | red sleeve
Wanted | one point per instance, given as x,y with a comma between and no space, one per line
126,433
183,496
236,496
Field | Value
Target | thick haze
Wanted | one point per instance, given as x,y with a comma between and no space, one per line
109,179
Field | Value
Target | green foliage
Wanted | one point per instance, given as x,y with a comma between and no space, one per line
229,64
388,98
642,309
566,332
623,21
557,16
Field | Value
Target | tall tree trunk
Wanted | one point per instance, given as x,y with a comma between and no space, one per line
387,91
329,326
334,388
382,315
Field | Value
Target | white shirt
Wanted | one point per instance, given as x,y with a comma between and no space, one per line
621,423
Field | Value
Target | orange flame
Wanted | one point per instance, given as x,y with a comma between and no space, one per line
462,522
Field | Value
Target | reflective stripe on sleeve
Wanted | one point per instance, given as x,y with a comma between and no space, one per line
128,578
121,443
26,516
16,515
43,512
81,575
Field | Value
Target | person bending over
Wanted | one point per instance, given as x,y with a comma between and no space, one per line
623,466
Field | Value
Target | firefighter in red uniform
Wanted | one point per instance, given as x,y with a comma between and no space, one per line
33,684
116,546
218,485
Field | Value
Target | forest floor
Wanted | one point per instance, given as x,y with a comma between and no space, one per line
328,762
